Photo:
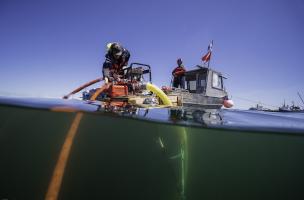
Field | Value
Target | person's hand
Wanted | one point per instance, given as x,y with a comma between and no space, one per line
117,77
106,80
111,79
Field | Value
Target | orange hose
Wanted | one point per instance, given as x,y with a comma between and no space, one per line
82,87
58,173
55,184
100,90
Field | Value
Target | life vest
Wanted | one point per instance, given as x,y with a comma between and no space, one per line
179,71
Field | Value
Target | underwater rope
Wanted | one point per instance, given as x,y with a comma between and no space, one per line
55,184
184,157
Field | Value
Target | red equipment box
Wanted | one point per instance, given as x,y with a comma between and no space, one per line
119,90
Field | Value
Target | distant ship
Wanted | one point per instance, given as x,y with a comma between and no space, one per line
287,108
259,108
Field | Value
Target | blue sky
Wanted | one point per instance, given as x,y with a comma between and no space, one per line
48,48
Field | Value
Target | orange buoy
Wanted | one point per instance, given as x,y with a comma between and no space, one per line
228,103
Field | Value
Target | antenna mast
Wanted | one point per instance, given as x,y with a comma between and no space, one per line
301,98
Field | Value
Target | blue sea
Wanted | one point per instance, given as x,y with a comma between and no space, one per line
158,153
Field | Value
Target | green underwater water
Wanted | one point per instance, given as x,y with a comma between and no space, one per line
116,157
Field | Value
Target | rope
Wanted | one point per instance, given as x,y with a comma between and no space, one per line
55,184
58,173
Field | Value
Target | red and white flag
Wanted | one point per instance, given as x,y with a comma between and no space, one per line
207,56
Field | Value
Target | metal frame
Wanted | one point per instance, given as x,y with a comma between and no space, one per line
145,71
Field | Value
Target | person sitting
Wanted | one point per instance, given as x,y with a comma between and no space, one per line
178,74
116,58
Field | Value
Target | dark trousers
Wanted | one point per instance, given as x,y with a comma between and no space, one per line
179,82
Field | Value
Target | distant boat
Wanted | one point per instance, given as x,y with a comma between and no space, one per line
284,108
293,108
257,107
260,108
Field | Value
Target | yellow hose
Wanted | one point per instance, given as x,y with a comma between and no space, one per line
159,93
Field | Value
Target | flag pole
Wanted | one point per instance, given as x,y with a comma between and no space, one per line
207,57
209,60
210,52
